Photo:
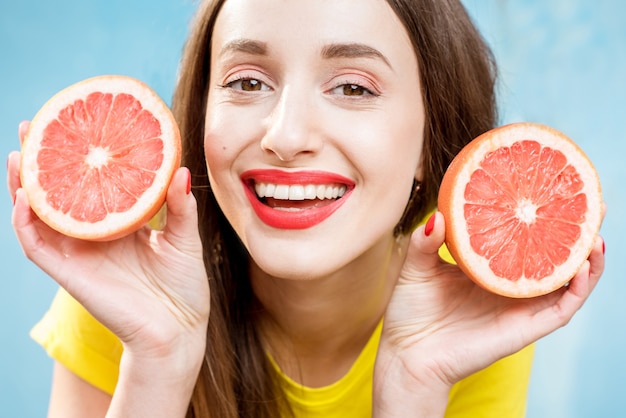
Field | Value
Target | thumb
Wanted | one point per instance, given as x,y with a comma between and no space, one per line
423,252
22,129
181,227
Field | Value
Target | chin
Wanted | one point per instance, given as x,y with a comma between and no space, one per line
301,261
293,268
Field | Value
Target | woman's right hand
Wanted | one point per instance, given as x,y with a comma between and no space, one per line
150,288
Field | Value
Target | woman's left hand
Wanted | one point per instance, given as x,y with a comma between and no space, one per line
440,327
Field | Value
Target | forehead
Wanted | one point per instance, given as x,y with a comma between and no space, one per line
313,23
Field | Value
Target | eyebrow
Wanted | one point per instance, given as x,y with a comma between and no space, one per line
353,50
334,50
247,46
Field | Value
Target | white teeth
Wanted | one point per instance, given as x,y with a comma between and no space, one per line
299,191
320,192
296,192
281,192
310,191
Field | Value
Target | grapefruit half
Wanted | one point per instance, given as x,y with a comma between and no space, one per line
522,205
98,158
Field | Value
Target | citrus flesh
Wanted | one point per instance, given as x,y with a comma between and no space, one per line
98,157
522,205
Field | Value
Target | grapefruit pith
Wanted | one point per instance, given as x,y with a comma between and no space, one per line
98,157
522,205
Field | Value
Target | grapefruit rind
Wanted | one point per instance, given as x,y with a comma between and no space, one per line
114,225
452,200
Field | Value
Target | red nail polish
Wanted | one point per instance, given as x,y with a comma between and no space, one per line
430,225
188,182
603,247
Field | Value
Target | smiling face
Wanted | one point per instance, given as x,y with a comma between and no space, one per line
313,131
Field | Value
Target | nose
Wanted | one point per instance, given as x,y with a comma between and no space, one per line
290,131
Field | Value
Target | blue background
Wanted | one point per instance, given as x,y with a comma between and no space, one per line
562,63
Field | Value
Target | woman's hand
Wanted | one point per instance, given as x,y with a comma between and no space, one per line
150,288
440,327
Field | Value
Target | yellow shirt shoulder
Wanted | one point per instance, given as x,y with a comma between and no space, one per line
74,338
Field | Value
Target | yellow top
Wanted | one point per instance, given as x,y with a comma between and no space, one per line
74,338
77,340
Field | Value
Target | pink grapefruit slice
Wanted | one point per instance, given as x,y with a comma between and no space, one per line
98,158
522,205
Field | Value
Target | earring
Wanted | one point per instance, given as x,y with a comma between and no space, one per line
417,185
216,251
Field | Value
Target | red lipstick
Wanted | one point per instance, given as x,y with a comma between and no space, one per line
287,211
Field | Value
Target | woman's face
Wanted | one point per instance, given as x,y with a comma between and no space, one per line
314,129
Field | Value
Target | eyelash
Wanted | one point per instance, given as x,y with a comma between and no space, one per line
354,86
347,84
241,79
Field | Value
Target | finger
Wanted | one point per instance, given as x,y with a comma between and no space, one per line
576,293
13,161
13,173
596,262
181,228
423,252
588,276
41,244
22,129
23,221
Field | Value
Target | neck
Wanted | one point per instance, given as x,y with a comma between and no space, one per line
315,329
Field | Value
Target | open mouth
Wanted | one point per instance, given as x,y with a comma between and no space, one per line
298,196
295,200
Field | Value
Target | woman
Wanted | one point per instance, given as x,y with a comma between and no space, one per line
316,134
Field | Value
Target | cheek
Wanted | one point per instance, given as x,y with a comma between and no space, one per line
225,185
391,147
231,133
215,140
221,144
392,150
220,152
407,141
215,151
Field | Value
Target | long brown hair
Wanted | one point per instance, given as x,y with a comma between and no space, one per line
458,82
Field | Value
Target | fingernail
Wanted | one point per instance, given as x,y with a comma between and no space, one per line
188,182
603,247
430,225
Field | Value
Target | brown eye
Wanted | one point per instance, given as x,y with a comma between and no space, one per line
251,85
353,90
247,84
